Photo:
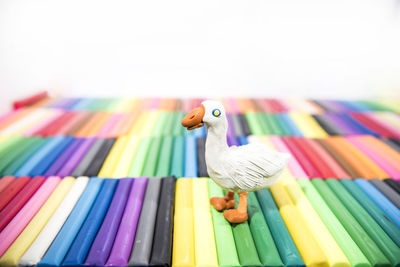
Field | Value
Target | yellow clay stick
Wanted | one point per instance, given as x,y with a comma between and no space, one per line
124,163
301,233
183,241
113,157
205,250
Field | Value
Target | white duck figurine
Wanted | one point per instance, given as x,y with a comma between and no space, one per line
237,169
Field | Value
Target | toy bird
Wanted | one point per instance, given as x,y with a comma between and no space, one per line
237,169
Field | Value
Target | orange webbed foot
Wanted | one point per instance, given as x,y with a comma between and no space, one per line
234,216
220,203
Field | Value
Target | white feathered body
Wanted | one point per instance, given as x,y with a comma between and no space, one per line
246,168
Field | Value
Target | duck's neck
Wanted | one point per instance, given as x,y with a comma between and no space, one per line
216,138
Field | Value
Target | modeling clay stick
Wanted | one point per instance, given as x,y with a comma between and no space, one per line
99,124
380,159
51,129
204,244
139,160
28,101
87,158
81,245
374,125
177,128
32,230
9,144
139,124
254,124
19,200
380,217
298,120
273,125
76,157
11,190
278,105
381,239
244,124
83,131
126,232
372,141
110,163
164,161
183,253
15,116
225,242
5,181
380,200
62,242
108,125
327,125
63,157
290,124
124,125
324,105
12,155
124,163
338,158
294,166
312,123
102,244
235,125
397,141
29,166
287,250
168,127
101,155
201,161
150,165
358,234
47,123
387,191
82,104
262,237
336,169
305,163
321,168
19,126
150,122
159,125
177,162
383,123
162,245
23,157
143,242
390,143
230,132
307,244
100,104
280,124
393,184
76,128
49,232
365,166
324,239
343,239
46,162
363,128
24,216
190,156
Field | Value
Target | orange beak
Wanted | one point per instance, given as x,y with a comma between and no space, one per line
194,119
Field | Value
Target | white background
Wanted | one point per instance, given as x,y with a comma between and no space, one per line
333,49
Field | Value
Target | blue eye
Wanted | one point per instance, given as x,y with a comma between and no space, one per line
216,112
